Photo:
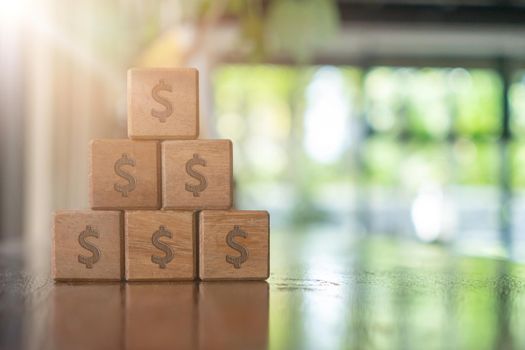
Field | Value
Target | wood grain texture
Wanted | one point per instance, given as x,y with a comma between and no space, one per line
212,159
214,228
177,254
175,113
233,315
138,159
161,316
104,252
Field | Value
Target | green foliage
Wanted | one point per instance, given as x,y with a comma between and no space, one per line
288,29
478,95
297,28
409,102
476,163
431,103
426,125
517,165
517,103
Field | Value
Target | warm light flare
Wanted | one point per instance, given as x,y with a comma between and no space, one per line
12,12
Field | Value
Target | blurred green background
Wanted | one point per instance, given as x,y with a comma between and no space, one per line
402,118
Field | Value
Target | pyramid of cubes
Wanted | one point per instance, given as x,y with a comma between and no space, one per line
161,201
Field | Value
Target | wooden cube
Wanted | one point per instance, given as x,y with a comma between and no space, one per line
160,245
234,244
163,103
161,316
87,245
124,174
83,316
197,174
233,315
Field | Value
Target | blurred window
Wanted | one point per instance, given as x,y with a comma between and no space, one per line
404,149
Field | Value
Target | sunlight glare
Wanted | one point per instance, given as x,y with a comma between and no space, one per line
326,116
12,12
431,213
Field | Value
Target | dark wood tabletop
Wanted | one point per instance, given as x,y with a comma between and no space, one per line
327,290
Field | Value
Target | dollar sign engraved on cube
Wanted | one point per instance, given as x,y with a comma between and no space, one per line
168,109
155,239
236,260
196,189
89,260
130,186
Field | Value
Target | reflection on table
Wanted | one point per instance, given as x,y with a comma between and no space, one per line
212,315
327,290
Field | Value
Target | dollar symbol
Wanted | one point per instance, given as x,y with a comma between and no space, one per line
162,115
130,186
236,260
155,239
196,189
88,261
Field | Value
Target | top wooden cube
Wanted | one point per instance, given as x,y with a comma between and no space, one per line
163,103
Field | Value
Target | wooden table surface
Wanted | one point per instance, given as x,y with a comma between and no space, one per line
327,290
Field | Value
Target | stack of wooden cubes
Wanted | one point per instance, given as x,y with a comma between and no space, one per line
162,200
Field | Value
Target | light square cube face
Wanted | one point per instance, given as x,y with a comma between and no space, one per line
87,245
233,245
163,103
124,174
197,174
160,245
